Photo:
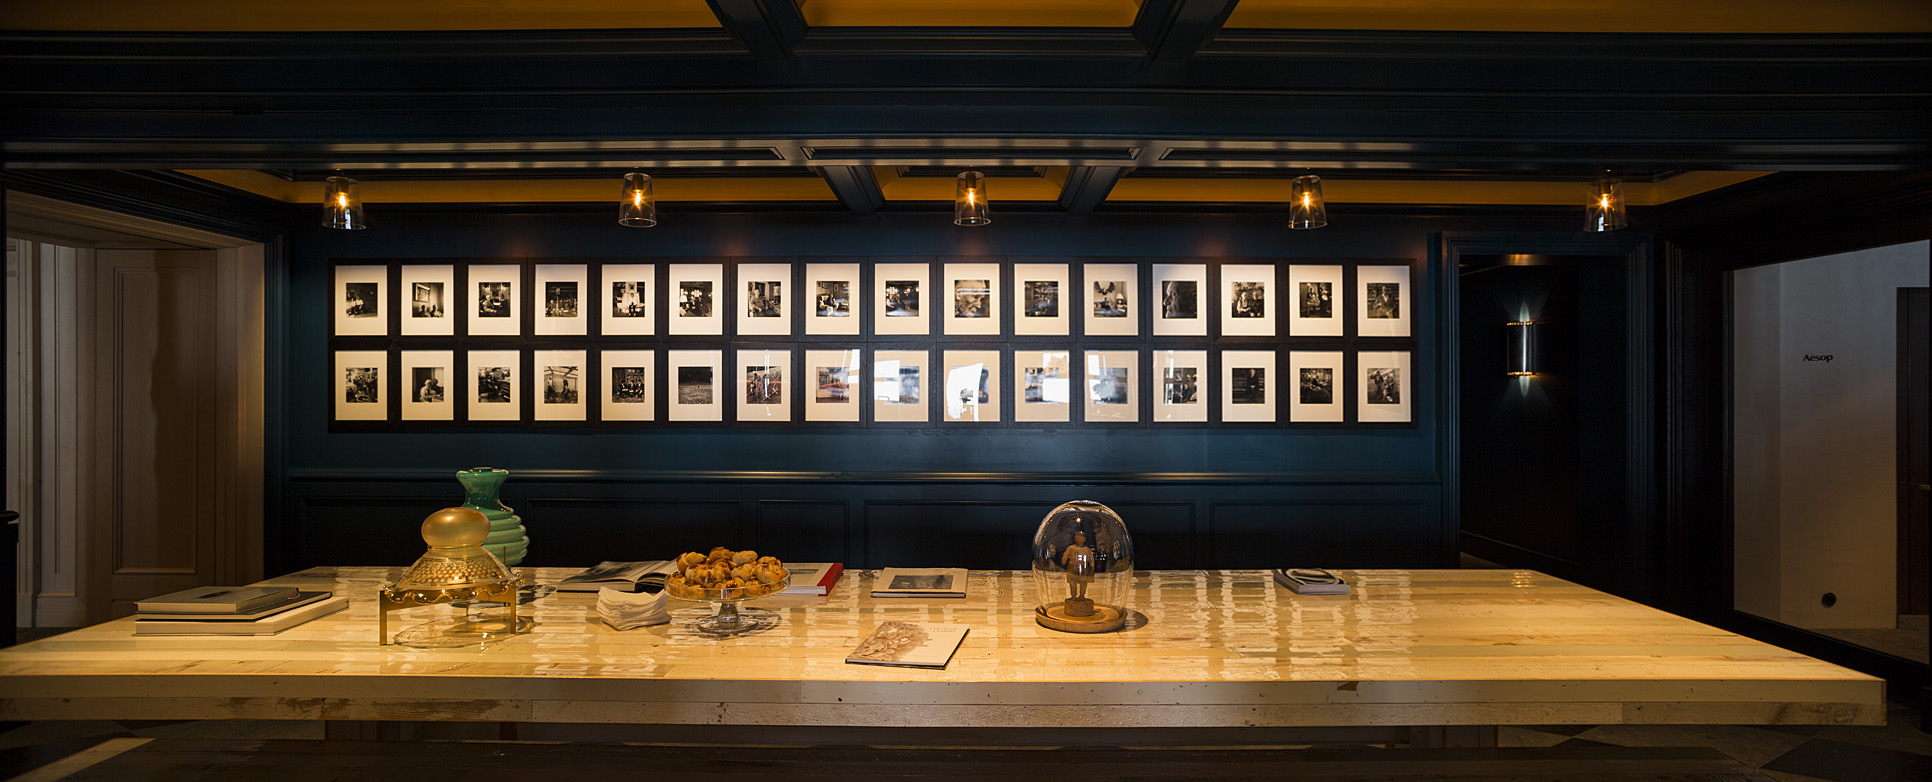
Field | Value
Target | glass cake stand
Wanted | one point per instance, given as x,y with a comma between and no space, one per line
728,617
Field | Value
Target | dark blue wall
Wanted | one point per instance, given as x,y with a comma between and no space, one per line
1221,497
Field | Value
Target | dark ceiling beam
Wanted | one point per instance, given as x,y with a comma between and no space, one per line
1173,30
1088,186
855,187
767,28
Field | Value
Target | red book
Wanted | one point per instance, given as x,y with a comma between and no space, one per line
813,578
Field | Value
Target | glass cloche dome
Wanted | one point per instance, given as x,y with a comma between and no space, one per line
1083,567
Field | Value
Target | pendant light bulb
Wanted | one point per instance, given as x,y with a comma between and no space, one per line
638,207
342,204
1606,209
969,200
1306,209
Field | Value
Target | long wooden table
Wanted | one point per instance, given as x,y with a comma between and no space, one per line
1218,649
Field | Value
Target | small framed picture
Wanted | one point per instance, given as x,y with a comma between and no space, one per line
901,288
1181,390
899,379
429,385
694,290
762,376
766,309
1247,300
693,377
628,292
835,376
1178,291
1113,393
359,310
1108,303
627,384
426,291
563,374
1319,390
972,304
1248,377
1040,301
494,309
1317,310
1385,387
494,377
560,310
1385,302
972,387
358,385
834,288
1043,386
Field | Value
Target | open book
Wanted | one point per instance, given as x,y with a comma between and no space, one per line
621,576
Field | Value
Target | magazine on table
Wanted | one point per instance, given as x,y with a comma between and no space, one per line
623,576
909,644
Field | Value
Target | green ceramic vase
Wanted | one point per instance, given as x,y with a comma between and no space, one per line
508,540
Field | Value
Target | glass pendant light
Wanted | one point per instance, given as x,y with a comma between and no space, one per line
1305,207
969,200
1605,211
638,209
342,204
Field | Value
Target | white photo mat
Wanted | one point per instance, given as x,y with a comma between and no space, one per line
1112,386
1315,301
692,390
695,299
428,293
901,380
1316,386
902,296
1179,300
835,302
627,298
1383,300
1247,301
971,388
494,388
627,377
360,385
1248,384
361,295
1386,387
493,299
764,301
1043,386
835,377
561,289
1181,386
1042,300
563,384
763,385
429,384
972,303
1108,299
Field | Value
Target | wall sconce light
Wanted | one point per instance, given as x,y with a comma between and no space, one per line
342,204
969,200
638,208
1605,212
1305,207
1519,350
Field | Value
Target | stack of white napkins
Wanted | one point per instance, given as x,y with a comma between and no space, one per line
629,611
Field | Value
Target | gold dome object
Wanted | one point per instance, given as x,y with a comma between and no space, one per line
456,567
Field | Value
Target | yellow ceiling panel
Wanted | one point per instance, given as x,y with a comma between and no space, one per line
970,13
1625,16
316,16
998,188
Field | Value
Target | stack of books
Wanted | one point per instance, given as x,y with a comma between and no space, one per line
219,610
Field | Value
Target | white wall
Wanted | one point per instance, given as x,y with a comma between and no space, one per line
1814,442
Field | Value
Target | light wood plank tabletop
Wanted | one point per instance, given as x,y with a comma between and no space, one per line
1215,649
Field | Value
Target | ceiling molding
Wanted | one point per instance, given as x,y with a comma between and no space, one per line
766,28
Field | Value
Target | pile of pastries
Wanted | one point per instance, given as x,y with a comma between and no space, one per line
724,574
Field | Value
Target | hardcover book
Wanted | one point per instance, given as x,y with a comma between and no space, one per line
909,644
217,600
624,576
301,599
269,625
813,578
920,582
1311,581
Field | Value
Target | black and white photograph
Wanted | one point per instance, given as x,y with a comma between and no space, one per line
1042,299
1180,299
972,298
1111,381
766,310
834,299
1384,303
426,300
427,293
764,385
1044,386
490,387
629,310
898,386
903,581
1110,298
971,386
1317,300
494,300
626,393
902,387
974,391
695,385
762,298
359,309
560,299
430,384
560,384
1384,378
902,298
427,391
358,385
1248,385
1108,386
835,378
1317,386
1249,300
694,298
1245,378
1181,385
627,299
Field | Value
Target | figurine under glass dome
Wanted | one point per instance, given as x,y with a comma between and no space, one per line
1083,567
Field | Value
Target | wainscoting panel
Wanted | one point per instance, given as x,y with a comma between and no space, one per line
1349,533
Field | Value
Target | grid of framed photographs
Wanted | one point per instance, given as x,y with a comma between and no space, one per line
876,342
